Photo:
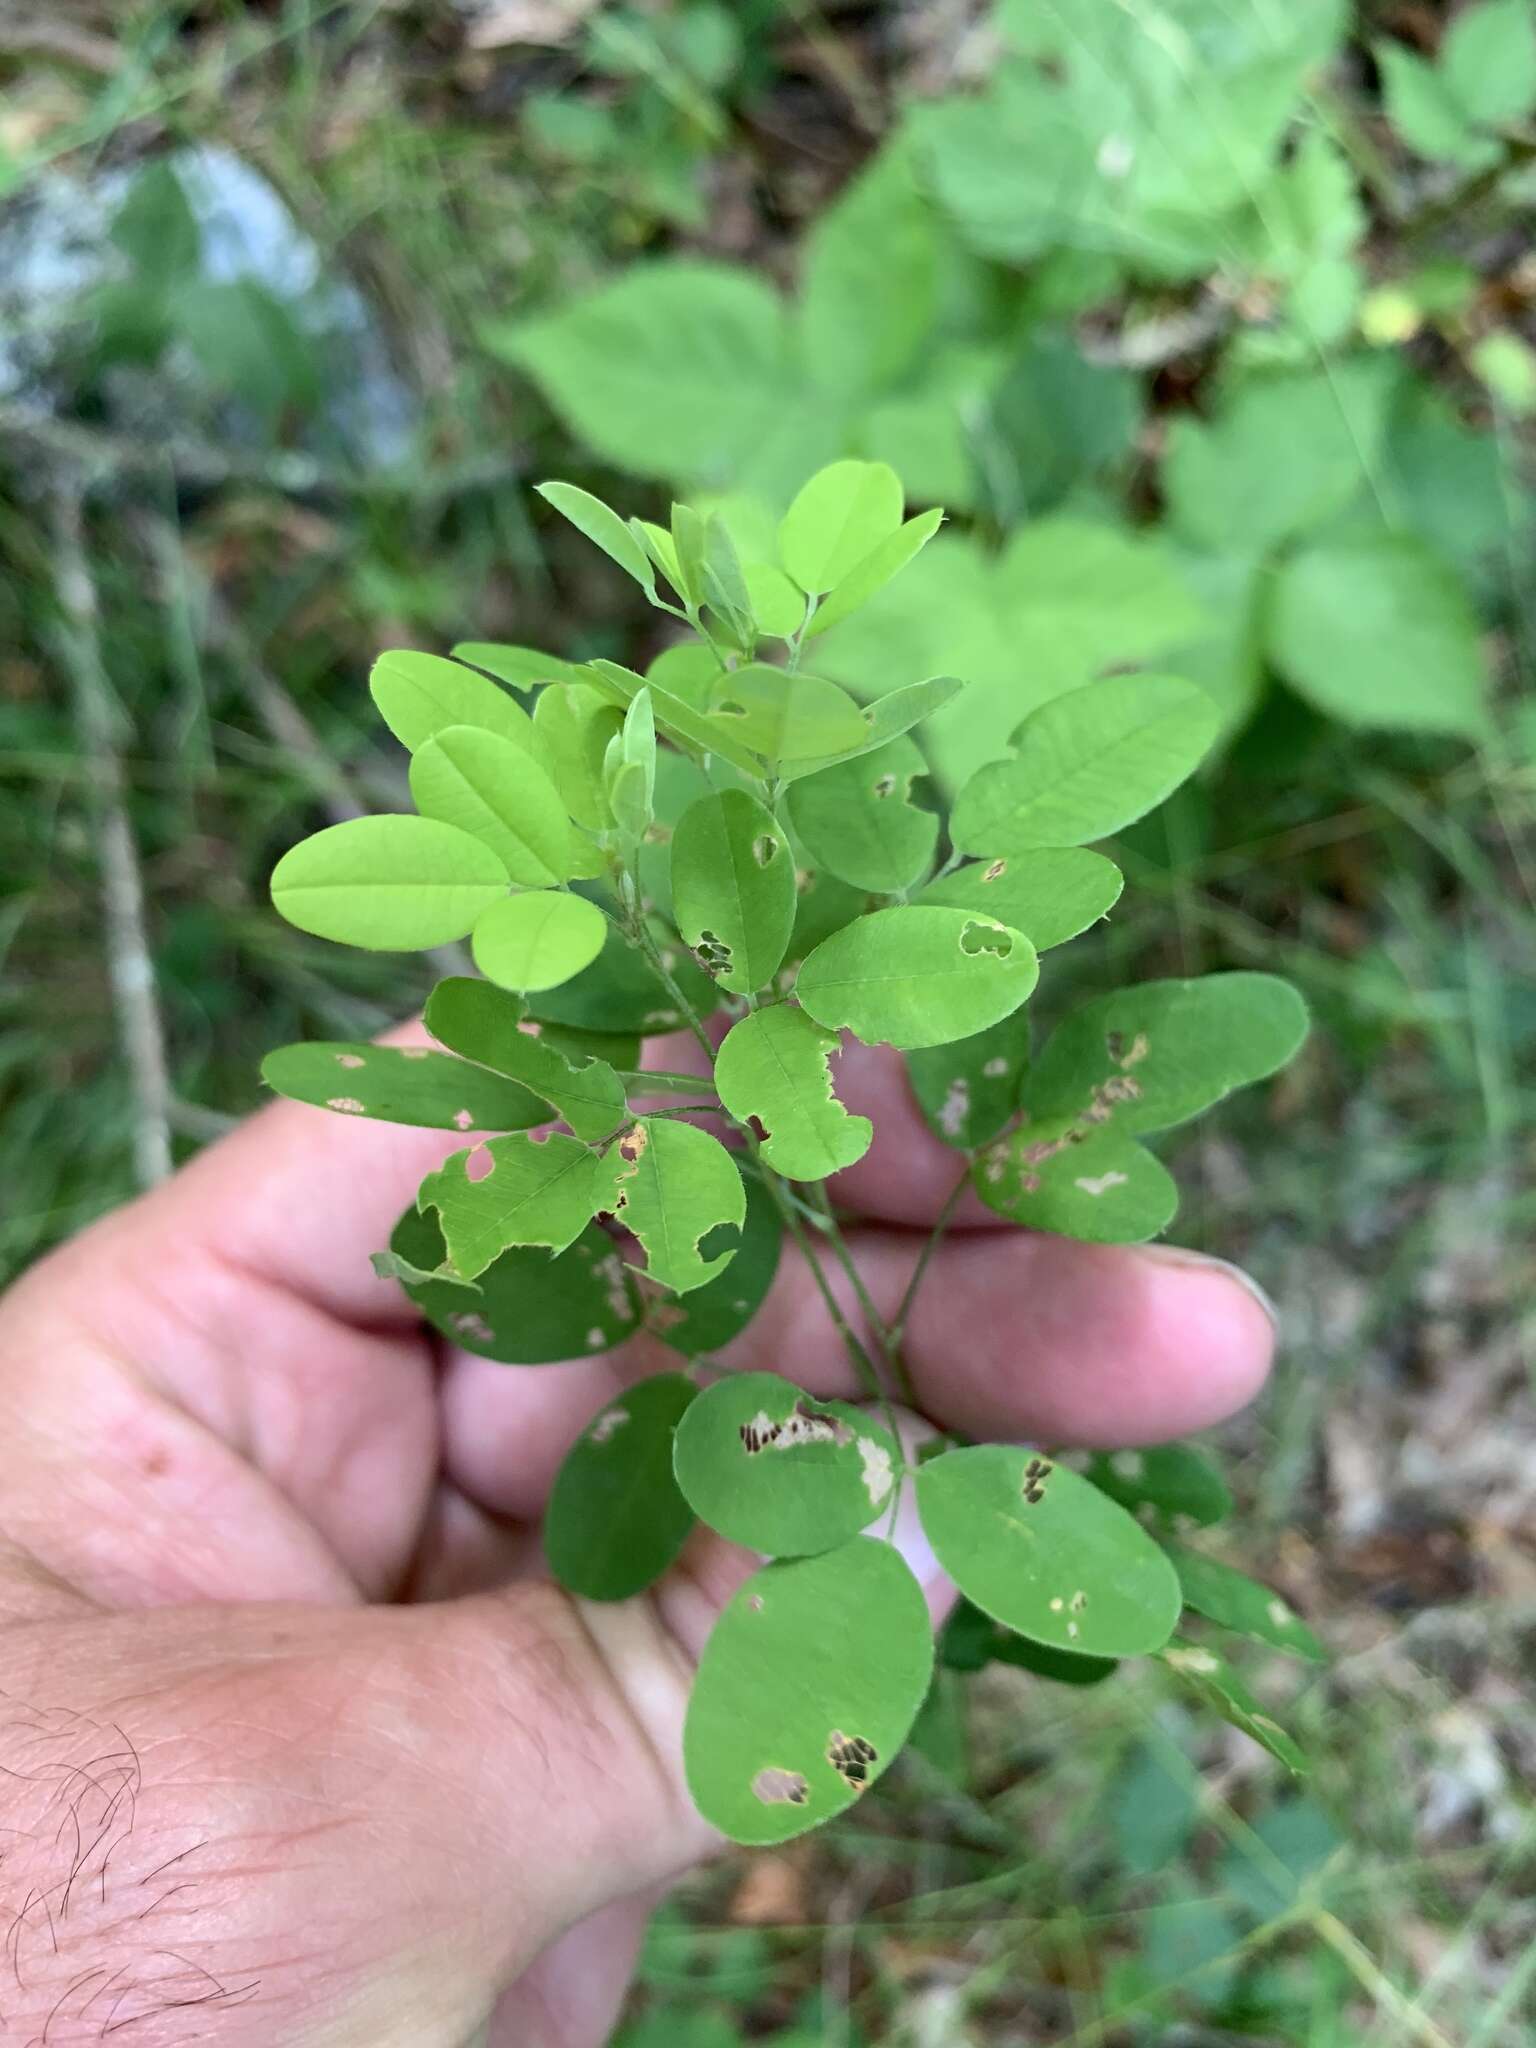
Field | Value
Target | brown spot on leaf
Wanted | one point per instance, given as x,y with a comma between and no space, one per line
775,1787
1036,1473
851,1756
805,1425
996,871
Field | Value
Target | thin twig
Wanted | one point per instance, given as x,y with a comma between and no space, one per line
128,956
941,1223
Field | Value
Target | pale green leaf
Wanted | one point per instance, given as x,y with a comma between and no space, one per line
1050,894
419,694
1048,1555
400,1085
871,277
1377,631
708,1317
1236,1602
871,573
913,976
497,791
522,667
1174,1483
843,512
392,884
733,888
658,544
604,528
682,722
784,716
858,818
537,940
764,1465
1425,111
1216,1685
1098,1185
884,720
616,1518
807,1689
528,1191
1488,60
1088,764
775,1065
526,1308
777,606
485,1023
677,1189
969,1090
574,724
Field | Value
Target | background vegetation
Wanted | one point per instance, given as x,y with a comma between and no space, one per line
1212,321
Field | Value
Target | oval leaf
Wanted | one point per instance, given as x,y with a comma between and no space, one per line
390,884
538,940
1175,1482
1099,1186
616,1519
526,1191
884,720
573,725
733,888
807,1688
620,991
676,1187
913,976
858,819
523,667
1049,895
1236,1602
767,1466
708,1317
401,1085
419,695
837,519
782,716
970,1089
873,571
497,791
527,1308
775,1065
1048,1555
604,528
486,1023
1089,763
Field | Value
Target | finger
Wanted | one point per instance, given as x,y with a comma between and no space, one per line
572,1995
1011,1335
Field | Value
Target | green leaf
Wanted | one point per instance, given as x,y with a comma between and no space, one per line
1056,1175
913,976
858,818
620,1049
733,888
871,277
1425,112
529,1191
1216,1685
707,1318
677,369
616,1519
885,720
725,586
807,1689
629,770
972,1640
400,1085
483,1022
604,528
574,724
969,1090
844,511
1048,1555
1175,1482
1234,1601
620,991
537,940
418,695
1488,60
526,1308
777,606
765,1465
391,884
784,716
1377,631
1088,764
775,1065
522,667
873,571
676,1188
498,792
1050,894
682,722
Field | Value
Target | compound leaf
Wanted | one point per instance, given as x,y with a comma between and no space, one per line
483,1022
807,1689
529,1191
525,1308
539,939
765,1465
858,820
400,1085
392,884
1050,894
616,1519
733,888
676,1188
1088,763
775,1065
837,518
497,791
1048,1555
913,976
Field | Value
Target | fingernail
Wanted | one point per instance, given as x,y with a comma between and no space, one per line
1180,1255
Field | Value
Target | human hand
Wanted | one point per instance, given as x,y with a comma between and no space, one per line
297,1746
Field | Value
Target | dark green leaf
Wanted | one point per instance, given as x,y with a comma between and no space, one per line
1175,1481
706,1319
616,1519
1236,1602
858,819
401,1085
733,888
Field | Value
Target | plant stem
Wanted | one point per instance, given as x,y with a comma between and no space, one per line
925,1257
863,1364
896,1365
